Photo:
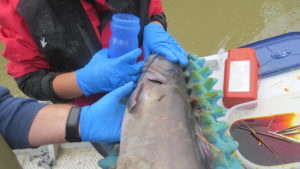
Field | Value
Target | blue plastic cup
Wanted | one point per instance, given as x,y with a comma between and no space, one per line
124,38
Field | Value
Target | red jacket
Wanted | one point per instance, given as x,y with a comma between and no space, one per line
30,25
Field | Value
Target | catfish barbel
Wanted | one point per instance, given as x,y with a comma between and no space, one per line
159,128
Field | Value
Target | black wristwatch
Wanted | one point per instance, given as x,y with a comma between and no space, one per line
72,134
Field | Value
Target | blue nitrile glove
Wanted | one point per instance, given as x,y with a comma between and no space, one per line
102,121
104,74
157,40
110,161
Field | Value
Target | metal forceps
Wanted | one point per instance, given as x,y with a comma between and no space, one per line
288,131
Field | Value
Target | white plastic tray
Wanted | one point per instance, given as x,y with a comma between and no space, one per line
282,104
277,94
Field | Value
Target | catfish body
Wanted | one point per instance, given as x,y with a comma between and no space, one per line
158,130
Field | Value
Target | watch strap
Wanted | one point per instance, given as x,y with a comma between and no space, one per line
72,133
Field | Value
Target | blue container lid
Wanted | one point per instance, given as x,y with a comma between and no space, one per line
125,21
277,54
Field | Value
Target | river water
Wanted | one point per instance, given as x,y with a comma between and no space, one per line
205,26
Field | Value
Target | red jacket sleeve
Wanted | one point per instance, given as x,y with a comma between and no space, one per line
156,13
155,8
21,50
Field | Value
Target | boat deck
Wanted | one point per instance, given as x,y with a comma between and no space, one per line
68,156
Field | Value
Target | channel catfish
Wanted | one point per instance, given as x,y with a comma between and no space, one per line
159,128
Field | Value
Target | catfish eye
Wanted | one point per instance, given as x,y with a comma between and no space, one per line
154,77
156,81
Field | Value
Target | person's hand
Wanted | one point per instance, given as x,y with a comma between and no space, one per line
157,40
104,74
102,121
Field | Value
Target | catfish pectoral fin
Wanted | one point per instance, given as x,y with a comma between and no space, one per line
133,98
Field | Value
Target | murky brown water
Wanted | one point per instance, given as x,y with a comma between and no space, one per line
205,26
6,80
